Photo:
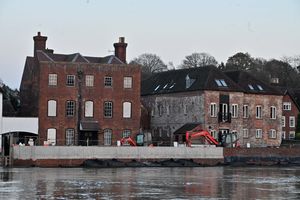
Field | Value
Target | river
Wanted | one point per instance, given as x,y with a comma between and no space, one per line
151,183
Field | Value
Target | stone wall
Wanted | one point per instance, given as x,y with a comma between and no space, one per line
168,112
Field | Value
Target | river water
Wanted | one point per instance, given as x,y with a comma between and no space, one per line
151,183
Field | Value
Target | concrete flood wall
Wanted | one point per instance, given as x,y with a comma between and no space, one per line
51,156
262,156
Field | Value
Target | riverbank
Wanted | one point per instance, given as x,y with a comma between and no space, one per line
103,157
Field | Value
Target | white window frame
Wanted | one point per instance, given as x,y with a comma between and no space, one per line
108,109
213,110
126,133
70,136
292,121
273,112
258,133
292,135
51,136
127,82
168,110
108,81
185,109
127,109
214,134
89,80
272,134
287,106
52,107
283,121
52,79
258,112
70,80
234,110
245,111
89,109
70,108
283,135
107,135
245,133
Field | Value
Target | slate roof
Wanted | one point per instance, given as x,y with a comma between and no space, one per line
201,78
250,84
76,57
89,126
186,127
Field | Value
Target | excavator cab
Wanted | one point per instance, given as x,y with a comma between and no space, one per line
227,140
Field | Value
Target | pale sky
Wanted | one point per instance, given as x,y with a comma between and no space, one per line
171,29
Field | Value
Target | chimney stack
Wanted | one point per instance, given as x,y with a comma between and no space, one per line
39,43
120,49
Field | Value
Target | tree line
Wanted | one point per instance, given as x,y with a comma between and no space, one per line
284,72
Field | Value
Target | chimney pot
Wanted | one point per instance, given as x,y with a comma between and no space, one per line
121,39
39,43
120,49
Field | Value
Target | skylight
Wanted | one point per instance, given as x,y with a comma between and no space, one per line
260,88
157,88
165,86
221,82
172,86
251,87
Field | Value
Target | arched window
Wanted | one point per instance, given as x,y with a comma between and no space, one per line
89,109
126,110
107,137
51,136
52,108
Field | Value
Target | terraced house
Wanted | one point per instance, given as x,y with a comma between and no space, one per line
205,97
81,100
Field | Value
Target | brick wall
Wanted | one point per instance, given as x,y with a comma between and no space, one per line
98,94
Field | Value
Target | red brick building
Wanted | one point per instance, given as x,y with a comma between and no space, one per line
81,100
290,111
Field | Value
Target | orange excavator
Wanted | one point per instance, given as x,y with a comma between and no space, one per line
128,140
232,137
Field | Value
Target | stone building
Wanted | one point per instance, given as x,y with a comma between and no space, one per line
81,100
216,102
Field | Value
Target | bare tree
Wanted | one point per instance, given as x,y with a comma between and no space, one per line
198,60
150,63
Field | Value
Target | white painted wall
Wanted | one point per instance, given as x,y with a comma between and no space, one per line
1,113
20,124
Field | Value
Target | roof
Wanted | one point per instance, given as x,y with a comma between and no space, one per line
250,84
76,58
89,126
186,127
191,79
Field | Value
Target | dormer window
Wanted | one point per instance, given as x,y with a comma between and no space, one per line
260,88
251,87
221,82
188,82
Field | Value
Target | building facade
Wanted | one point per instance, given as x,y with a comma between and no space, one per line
81,100
290,111
217,102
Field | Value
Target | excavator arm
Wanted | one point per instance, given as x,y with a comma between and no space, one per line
129,140
190,135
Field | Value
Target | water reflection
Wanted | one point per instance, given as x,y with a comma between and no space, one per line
150,183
